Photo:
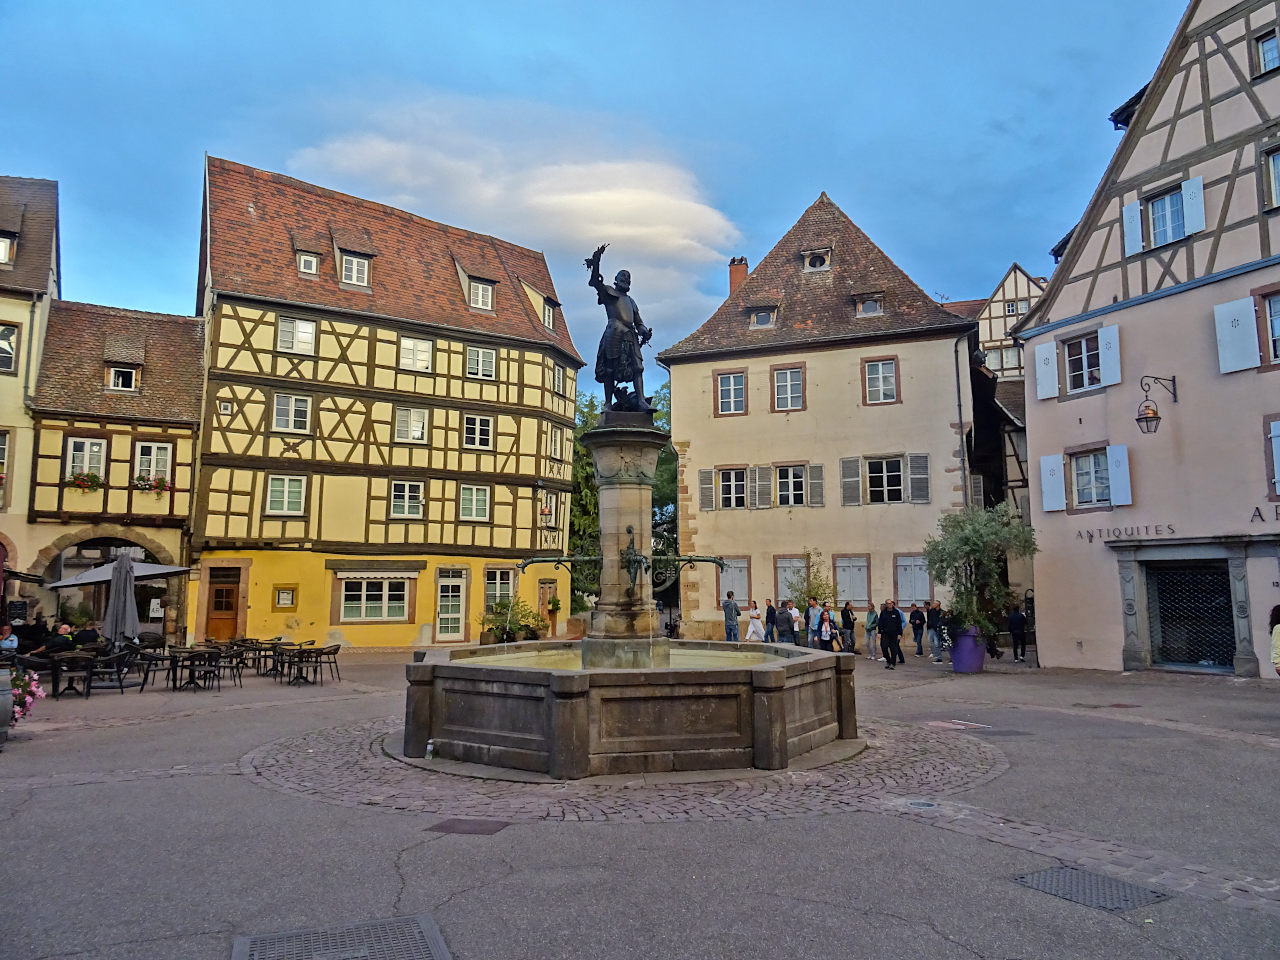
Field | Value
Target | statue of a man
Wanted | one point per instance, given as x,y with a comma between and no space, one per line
618,360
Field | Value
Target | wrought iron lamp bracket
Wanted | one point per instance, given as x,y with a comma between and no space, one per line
1169,383
681,563
564,562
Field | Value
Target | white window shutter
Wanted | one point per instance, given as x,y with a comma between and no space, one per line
977,490
1193,204
752,498
850,481
815,485
917,478
1109,354
1132,228
1053,487
1237,331
1275,455
764,491
1046,370
1118,472
706,490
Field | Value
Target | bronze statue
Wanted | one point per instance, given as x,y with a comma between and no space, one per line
618,360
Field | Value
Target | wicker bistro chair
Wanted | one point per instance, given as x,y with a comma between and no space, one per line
234,660
307,666
112,669
148,663
70,667
329,657
202,669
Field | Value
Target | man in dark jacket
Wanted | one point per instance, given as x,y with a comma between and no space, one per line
786,623
848,625
932,621
916,619
770,621
1018,634
891,635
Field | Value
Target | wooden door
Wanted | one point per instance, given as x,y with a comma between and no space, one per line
546,590
224,604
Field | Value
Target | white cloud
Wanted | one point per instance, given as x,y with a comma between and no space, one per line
553,180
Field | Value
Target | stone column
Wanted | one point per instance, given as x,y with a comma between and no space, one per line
570,740
846,706
1246,659
769,718
417,709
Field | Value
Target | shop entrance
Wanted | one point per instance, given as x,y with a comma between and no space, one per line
1190,615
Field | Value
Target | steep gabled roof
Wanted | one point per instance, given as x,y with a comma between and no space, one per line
83,339
29,212
820,305
256,221
968,309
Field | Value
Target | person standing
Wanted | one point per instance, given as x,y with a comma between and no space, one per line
932,622
891,631
1275,637
872,631
1018,634
786,623
826,630
731,614
770,621
811,614
916,619
755,623
848,626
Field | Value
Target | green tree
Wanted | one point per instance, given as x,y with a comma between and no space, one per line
666,534
811,581
584,507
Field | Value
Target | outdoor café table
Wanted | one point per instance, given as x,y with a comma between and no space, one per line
177,658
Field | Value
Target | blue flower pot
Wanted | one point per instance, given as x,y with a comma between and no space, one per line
968,651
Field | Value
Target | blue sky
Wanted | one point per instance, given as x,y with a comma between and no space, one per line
959,136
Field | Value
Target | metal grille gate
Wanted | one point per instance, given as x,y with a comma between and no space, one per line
1189,610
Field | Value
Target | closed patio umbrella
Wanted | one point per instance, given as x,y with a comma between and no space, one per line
121,621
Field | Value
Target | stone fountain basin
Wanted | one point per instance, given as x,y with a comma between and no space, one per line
530,706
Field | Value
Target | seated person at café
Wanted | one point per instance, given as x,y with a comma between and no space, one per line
8,639
87,635
60,642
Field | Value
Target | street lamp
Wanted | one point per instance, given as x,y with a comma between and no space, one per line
1148,418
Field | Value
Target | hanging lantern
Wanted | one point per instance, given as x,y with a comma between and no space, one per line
1148,418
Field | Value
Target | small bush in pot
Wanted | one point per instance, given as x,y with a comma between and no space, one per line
514,619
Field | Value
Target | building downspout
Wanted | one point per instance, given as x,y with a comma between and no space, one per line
964,467
30,345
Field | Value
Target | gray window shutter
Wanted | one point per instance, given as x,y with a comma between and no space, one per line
764,487
1046,371
1237,331
1193,204
815,485
976,490
751,489
851,481
1118,473
1133,228
917,477
706,490
1109,354
1053,486
1275,455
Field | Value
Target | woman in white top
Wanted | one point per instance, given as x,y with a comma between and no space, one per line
755,626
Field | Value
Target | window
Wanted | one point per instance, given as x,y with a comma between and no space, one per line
411,424
1167,223
555,443
296,336
869,307
450,601
786,571
762,318
355,270
415,354
375,599
1273,327
224,407
477,432
8,348
406,498
791,486
4,465
732,393
1273,173
497,587
6,249
815,260
481,295
911,581
286,599
481,363
124,378
557,379
1012,358
292,413
473,502
308,263
788,389
884,480
1024,306
1010,308
551,511
154,460
1268,51
733,489
1084,365
736,577
994,359
285,494
86,456
548,314
852,582
1092,479
882,381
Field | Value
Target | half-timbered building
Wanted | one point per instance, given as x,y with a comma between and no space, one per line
1153,399
388,420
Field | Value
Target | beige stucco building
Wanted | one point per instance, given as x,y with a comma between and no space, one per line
825,405
1159,547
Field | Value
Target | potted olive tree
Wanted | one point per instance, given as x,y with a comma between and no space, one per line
969,555
512,620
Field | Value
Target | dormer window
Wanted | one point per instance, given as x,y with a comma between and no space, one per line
548,314
761,317
308,263
6,249
355,270
816,260
123,378
870,304
481,295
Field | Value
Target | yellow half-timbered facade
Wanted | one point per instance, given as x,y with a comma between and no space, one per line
388,421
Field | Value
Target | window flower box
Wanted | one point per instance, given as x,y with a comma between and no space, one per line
86,481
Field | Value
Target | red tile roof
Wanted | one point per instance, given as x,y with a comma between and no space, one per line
256,220
819,305
969,309
83,339
29,211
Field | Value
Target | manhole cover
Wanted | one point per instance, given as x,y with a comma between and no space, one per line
401,938
481,828
1091,889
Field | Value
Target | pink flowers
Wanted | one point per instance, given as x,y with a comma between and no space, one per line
26,690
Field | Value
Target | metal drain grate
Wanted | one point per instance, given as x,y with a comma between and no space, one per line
401,938
1091,889
480,828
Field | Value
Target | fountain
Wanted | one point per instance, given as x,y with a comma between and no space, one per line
623,700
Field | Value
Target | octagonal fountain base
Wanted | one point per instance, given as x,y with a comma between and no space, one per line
533,706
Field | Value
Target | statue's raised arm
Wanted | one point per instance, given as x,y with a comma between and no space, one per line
593,263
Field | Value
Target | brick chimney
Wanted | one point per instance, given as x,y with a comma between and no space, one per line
737,272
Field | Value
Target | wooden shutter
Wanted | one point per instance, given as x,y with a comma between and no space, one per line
1109,355
851,481
759,487
1237,331
706,490
917,478
1132,228
976,490
1118,473
1193,205
1275,455
814,498
1053,487
1046,371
